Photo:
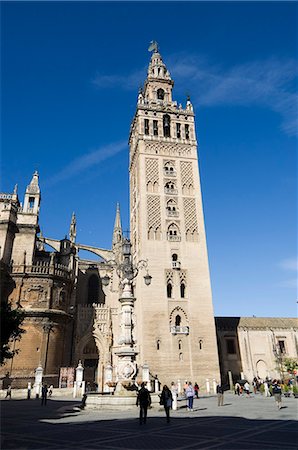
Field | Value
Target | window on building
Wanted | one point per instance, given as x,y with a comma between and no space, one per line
174,257
173,230
177,320
282,347
178,130
180,345
160,94
166,125
146,126
231,348
170,185
158,345
186,131
200,344
182,290
31,202
169,290
169,169
155,127
93,289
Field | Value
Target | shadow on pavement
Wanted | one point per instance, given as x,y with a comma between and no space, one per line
54,427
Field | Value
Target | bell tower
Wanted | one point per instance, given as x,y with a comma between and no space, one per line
175,320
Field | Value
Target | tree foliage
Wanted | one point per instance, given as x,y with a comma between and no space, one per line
11,320
291,365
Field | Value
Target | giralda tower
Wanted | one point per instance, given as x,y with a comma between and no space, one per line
175,329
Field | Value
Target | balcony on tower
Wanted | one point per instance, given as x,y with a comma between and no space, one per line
170,188
179,329
169,169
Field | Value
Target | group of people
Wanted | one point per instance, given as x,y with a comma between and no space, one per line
240,389
166,399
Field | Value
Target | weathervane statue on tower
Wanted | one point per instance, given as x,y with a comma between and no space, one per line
153,47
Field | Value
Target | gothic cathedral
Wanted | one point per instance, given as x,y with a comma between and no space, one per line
77,309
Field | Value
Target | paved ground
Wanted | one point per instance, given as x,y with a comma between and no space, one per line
242,423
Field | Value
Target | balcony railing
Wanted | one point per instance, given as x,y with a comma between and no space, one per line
171,191
172,213
179,330
174,238
170,173
176,264
43,268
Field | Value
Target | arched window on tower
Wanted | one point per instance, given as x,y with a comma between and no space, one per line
182,290
169,290
158,344
173,233
166,125
180,344
93,289
177,320
160,94
169,169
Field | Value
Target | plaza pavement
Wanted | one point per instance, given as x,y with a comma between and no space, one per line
242,423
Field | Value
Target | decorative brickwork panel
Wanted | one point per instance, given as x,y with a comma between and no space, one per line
186,173
169,276
190,218
153,212
182,276
168,149
152,170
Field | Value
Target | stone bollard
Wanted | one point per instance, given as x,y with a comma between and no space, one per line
38,381
207,386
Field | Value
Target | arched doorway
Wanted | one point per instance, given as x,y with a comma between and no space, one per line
262,369
90,363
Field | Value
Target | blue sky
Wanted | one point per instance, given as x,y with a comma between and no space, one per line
70,76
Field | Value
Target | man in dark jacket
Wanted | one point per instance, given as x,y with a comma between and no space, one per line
220,394
143,400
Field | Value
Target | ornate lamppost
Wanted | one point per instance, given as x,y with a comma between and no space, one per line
127,271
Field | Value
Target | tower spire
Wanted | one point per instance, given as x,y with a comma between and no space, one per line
32,196
117,233
73,228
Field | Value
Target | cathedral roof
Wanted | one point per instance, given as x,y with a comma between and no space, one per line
231,323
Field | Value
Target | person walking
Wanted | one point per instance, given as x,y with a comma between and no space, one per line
196,388
44,394
276,390
51,390
8,392
247,389
237,388
144,401
190,393
166,399
29,391
220,394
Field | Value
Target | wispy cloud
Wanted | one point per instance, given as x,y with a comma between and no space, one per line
128,82
289,265
86,161
269,83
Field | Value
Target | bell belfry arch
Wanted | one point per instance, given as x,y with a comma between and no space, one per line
167,227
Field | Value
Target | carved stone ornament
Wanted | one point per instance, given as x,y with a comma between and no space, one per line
128,371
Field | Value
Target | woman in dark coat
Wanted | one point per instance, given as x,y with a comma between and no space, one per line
166,399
